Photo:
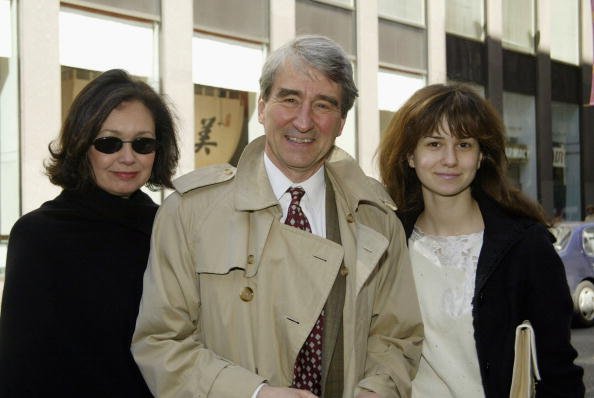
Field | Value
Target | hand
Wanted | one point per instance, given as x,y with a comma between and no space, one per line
368,394
282,392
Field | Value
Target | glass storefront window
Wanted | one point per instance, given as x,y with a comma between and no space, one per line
86,42
225,75
9,129
407,11
519,119
393,89
566,161
565,37
86,50
519,25
466,18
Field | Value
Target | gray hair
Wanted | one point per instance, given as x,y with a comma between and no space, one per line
322,54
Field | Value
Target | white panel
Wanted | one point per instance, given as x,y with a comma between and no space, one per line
412,11
465,18
5,29
565,31
222,63
97,42
395,88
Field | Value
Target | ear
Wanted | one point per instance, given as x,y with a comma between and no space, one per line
411,161
261,106
342,122
480,160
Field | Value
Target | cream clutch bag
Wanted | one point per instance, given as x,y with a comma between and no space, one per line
525,373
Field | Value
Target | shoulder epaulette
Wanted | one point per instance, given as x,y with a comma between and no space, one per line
203,177
380,190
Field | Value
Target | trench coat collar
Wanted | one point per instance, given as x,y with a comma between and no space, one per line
346,177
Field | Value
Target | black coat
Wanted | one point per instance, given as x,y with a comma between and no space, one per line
520,276
73,284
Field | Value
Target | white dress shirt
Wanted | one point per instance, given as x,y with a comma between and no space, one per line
313,203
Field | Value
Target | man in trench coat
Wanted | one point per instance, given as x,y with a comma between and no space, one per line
231,292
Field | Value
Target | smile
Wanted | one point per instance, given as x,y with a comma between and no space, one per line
447,176
126,175
300,140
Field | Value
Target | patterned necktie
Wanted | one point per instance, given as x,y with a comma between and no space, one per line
307,373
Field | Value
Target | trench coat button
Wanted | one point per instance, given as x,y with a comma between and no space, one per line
344,271
250,259
247,294
228,171
350,218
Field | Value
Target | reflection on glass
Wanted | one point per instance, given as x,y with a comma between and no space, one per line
519,119
566,161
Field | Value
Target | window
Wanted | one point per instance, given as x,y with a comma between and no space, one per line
466,18
566,161
588,241
393,89
9,128
407,11
86,42
565,31
225,97
519,113
519,25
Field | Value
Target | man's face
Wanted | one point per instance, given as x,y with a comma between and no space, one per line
301,119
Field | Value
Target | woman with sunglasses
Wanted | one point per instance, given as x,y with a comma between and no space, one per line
482,258
75,265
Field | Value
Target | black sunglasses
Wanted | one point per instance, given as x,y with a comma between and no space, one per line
142,145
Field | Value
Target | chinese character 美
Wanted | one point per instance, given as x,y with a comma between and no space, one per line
204,135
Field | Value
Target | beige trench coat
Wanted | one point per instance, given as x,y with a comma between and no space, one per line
231,293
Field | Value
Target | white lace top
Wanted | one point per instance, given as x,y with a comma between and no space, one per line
444,269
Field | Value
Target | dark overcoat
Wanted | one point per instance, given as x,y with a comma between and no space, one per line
73,284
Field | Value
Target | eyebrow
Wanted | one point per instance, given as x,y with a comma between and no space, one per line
285,92
113,131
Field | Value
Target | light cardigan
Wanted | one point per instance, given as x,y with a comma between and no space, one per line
444,269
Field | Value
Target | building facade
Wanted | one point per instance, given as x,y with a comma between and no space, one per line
531,58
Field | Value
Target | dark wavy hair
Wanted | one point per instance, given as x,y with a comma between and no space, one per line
467,115
68,166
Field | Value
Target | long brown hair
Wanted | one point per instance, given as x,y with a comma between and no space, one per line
467,115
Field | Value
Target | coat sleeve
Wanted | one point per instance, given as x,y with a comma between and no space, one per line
167,342
550,311
396,330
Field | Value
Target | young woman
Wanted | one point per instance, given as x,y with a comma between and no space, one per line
74,266
482,257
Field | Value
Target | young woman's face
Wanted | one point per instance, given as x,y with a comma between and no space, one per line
123,172
444,164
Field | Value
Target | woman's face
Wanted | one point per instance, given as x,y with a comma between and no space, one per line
444,164
123,172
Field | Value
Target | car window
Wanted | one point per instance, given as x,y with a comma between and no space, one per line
562,234
588,240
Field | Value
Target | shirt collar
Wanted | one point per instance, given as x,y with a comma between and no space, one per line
314,186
